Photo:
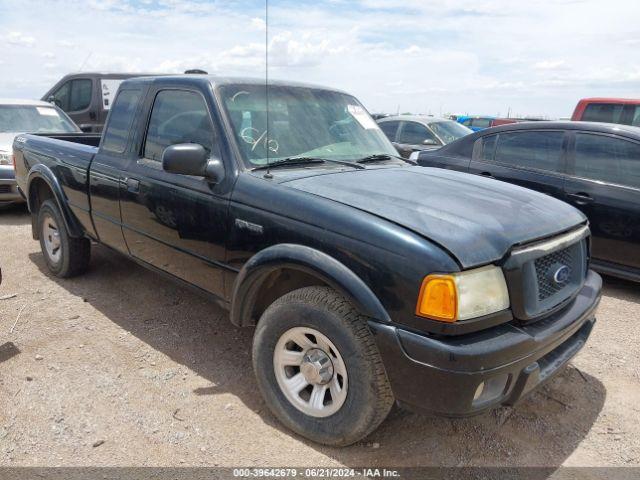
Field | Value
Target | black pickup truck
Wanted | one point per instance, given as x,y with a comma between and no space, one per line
368,280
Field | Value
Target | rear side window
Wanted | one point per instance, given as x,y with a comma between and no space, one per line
539,150
414,133
607,159
119,123
389,129
488,147
178,116
603,112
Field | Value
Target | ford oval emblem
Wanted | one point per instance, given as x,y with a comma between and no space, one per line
561,275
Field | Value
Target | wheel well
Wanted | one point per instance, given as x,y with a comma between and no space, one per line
39,191
279,283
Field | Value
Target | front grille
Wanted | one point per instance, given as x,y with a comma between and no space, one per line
546,268
542,276
5,188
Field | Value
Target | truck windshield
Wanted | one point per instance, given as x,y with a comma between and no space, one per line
34,119
302,122
449,131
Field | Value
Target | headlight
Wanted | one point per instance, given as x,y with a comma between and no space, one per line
463,295
5,159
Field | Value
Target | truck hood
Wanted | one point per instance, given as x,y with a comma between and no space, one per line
474,218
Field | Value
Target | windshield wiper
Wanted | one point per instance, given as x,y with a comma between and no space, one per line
305,160
289,161
381,157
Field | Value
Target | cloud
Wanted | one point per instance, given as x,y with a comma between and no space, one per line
258,24
413,49
549,64
440,55
289,50
19,39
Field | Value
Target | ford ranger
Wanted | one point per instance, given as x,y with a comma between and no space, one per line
369,280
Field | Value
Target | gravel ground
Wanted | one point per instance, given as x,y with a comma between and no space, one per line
122,367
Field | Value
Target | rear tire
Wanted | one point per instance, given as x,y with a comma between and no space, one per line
347,393
65,256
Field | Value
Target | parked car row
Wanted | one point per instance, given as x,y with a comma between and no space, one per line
593,166
369,280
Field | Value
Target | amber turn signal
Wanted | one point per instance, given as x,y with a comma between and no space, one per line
438,298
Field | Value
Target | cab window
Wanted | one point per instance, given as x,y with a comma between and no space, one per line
603,112
74,95
120,119
178,116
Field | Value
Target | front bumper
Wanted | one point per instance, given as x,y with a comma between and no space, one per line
443,375
8,187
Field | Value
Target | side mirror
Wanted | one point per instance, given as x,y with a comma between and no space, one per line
192,159
430,141
53,100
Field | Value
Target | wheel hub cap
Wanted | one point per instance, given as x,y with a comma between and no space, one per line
51,236
310,371
317,367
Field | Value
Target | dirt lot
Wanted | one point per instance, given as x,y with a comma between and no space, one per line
123,367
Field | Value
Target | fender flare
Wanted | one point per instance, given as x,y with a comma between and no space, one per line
45,174
307,260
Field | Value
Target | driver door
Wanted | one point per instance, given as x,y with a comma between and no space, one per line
174,222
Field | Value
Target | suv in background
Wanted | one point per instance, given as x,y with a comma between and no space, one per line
415,133
86,97
608,110
593,166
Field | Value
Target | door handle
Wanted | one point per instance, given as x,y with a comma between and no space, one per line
580,198
133,185
486,174
92,115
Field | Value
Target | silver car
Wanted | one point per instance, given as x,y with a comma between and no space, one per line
414,133
25,116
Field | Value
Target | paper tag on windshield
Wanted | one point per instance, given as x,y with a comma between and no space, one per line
361,116
49,112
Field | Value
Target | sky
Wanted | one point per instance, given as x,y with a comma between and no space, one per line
492,57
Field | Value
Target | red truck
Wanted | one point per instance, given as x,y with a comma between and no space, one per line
624,111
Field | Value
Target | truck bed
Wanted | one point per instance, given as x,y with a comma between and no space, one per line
68,157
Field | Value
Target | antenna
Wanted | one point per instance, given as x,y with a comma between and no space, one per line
85,60
266,79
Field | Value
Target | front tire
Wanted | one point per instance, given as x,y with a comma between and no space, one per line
65,256
319,369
